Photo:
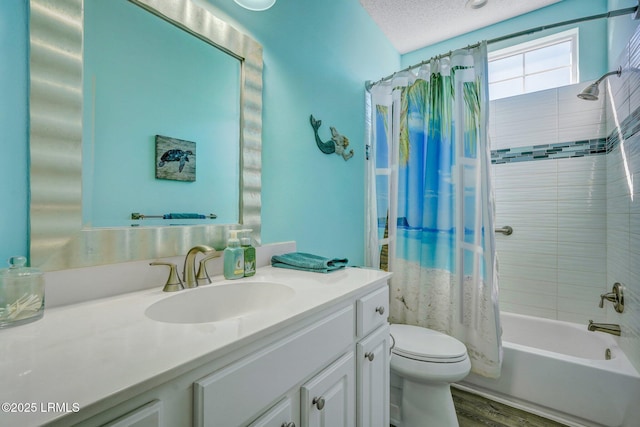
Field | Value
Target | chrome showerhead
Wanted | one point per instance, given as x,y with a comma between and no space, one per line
591,92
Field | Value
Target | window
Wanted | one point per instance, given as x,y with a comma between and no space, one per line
539,64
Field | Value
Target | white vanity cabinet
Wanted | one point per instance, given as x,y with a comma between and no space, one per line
326,368
349,385
373,355
234,395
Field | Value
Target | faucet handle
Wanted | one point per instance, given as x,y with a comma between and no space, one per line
608,296
173,282
202,273
616,296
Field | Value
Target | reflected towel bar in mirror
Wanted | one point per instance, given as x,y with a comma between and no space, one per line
136,216
507,230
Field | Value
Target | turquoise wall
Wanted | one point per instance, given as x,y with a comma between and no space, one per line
592,35
317,56
14,150
621,28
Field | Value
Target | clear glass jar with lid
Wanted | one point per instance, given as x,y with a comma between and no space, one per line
21,293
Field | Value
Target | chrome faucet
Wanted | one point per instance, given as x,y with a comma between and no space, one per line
189,271
609,328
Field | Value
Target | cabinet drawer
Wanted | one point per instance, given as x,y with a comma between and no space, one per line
237,393
372,311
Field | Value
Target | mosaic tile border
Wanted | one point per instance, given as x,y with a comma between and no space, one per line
629,127
559,150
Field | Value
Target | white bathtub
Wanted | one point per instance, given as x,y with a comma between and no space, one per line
559,370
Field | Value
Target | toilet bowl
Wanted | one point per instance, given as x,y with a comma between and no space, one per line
424,363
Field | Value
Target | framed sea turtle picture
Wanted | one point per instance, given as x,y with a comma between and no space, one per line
175,159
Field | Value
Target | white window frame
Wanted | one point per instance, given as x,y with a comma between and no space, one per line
539,43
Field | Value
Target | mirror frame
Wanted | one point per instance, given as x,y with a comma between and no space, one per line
57,237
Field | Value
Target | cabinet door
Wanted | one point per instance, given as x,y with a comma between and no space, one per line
373,379
280,415
150,415
327,400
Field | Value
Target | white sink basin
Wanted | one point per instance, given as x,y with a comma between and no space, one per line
219,302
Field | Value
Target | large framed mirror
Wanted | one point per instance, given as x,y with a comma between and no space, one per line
60,236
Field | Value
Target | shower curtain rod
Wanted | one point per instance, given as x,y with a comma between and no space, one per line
611,14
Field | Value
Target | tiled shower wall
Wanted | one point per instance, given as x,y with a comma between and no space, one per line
564,180
549,177
623,195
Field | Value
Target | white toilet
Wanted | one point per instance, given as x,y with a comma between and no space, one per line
424,363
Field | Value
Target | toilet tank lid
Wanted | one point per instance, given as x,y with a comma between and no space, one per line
422,343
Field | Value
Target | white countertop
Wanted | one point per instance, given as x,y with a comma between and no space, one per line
83,353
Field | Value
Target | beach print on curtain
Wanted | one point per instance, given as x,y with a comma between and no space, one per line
430,204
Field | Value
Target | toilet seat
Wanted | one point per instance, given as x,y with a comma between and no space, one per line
426,345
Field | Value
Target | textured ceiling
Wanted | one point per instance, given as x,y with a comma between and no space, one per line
412,24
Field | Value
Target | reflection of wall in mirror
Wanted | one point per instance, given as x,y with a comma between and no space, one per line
149,78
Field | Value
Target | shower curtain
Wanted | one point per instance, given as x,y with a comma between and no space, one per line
429,201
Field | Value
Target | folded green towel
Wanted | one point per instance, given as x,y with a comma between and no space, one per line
308,262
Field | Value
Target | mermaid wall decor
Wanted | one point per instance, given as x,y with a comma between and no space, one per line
337,144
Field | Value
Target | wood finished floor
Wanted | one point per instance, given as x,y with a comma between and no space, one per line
477,411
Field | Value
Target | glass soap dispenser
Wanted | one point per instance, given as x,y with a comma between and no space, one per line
21,293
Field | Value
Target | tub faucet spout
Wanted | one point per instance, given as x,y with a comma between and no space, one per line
609,328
